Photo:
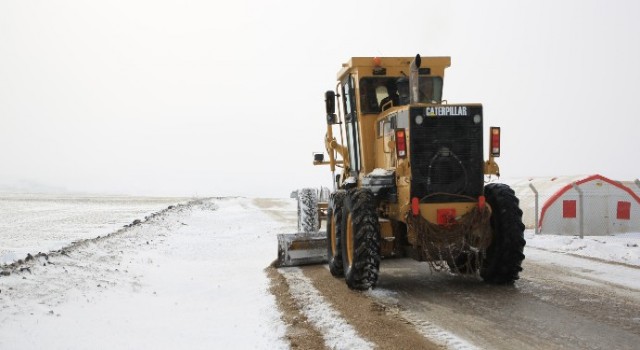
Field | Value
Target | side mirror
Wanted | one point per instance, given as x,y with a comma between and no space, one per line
330,103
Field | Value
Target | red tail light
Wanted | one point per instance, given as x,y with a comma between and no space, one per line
482,203
401,143
495,141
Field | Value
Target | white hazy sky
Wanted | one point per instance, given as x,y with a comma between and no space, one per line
212,98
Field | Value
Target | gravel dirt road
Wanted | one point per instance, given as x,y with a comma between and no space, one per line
560,302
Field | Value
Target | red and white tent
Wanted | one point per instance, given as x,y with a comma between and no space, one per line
609,206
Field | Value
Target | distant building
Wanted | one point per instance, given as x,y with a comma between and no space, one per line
609,206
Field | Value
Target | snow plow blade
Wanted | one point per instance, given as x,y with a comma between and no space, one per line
302,249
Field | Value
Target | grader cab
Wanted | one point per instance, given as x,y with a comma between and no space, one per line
411,178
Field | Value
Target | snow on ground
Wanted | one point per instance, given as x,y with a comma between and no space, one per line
621,248
589,272
187,279
337,333
32,223
193,277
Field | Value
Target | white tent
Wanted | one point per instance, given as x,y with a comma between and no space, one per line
633,185
608,206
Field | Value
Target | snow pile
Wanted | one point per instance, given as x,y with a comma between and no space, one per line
621,248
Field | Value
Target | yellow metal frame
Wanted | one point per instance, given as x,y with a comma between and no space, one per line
380,152
332,235
349,240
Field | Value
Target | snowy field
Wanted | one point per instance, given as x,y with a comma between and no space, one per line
189,277
621,248
32,223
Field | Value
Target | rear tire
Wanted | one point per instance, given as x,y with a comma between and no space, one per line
503,260
308,221
360,240
334,233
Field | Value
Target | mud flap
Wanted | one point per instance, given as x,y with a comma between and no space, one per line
302,249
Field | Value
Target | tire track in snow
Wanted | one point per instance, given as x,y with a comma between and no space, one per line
397,329
337,333
437,334
428,329
300,333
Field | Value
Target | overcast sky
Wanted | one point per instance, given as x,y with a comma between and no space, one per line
212,98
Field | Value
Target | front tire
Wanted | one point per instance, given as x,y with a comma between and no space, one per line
308,221
334,233
360,240
503,260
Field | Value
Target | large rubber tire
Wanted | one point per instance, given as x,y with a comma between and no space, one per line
360,240
308,221
502,263
334,233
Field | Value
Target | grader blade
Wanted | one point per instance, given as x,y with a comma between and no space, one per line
302,249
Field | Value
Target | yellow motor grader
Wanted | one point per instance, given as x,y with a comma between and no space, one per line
412,179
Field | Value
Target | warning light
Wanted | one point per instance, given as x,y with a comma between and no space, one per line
495,141
377,67
401,143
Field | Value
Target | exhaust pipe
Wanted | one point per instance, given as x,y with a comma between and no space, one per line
414,91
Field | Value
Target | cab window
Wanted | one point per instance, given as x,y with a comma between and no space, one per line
430,90
377,93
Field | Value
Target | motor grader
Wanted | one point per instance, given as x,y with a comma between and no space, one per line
412,179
